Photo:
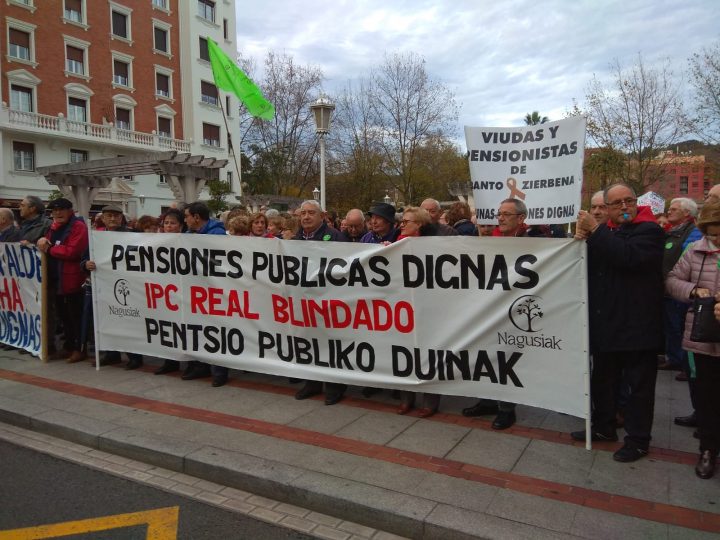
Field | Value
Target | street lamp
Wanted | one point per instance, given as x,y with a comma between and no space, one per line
316,194
142,199
386,198
322,110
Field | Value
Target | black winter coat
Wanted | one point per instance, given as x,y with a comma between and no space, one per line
625,288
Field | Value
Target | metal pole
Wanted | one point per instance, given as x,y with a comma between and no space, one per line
322,171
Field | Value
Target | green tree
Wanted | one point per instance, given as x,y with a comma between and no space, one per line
534,118
218,189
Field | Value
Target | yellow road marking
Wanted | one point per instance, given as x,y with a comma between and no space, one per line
162,525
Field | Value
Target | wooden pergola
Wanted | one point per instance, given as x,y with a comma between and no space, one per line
185,174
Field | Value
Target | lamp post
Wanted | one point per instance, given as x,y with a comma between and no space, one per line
322,110
386,198
316,194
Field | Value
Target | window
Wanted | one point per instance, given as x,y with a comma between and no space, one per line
162,84
204,52
78,156
120,24
75,60
229,177
211,135
162,179
161,39
21,98
162,4
122,118
683,184
73,11
209,93
24,156
164,127
206,9
225,29
77,109
19,44
228,112
121,73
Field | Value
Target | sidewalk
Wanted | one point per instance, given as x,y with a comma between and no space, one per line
443,477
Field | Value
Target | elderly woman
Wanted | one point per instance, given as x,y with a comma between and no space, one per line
259,226
696,275
459,217
417,222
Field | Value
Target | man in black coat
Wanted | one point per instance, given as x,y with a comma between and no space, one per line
313,227
625,287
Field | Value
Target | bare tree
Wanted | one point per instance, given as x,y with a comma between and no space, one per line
407,108
282,149
639,113
705,78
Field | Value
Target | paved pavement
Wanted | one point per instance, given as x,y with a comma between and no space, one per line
360,463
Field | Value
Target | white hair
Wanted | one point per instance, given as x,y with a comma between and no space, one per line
312,202
687,205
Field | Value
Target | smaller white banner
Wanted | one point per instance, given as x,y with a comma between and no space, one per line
20,297
541,165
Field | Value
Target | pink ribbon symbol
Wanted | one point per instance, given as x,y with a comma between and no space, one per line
515,193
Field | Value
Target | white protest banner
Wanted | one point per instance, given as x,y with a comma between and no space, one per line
20,297
492,317
540,165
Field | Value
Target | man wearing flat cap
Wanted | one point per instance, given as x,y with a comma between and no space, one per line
114,221
64,245
381,225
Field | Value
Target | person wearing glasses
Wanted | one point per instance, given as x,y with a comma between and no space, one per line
417,222
697,274
511,217
625,293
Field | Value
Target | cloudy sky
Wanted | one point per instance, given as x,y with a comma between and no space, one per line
501,59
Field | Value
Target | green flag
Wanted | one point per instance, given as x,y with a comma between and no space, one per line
231,78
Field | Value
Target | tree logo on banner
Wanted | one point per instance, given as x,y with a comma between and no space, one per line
525,312
122,291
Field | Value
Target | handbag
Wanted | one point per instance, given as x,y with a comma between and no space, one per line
705,327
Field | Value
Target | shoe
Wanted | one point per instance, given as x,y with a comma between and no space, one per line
133,364
219,381
404,408
705,467
305,393
426,412
686,421
108,359
75,357
369,391
504,420
167,367
682,377
481,408
628,454
197,373
333,399
595,436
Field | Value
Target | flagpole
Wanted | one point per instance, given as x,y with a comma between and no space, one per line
230,145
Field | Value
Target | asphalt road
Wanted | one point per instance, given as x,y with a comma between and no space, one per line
37,489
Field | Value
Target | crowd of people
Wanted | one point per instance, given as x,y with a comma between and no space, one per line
642,278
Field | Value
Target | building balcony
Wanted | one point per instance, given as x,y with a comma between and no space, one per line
107,134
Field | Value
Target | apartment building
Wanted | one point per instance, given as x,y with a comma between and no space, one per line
91,79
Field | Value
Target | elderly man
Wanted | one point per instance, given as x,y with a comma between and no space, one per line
433,208
314,228
511,217
354,225
64,245
113,221
198,221
625,286
8,230
381,225
34,224
598,208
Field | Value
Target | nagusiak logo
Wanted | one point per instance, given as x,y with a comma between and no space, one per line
121,291
525,313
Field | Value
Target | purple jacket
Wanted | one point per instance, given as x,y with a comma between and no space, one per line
682,280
